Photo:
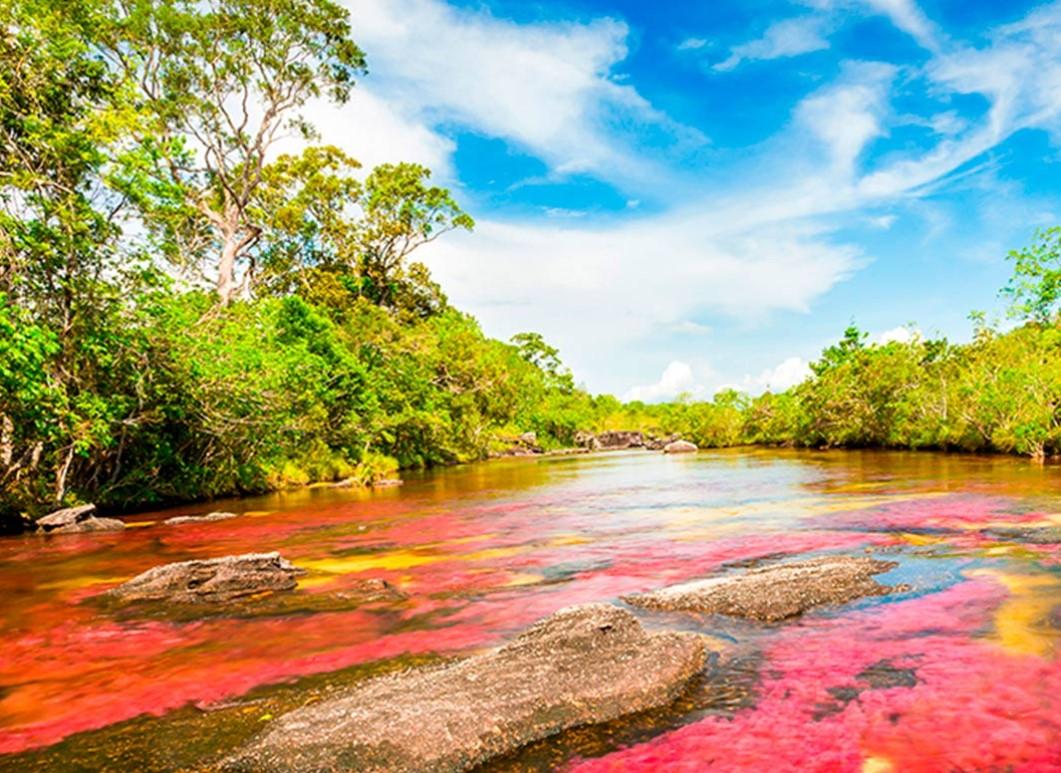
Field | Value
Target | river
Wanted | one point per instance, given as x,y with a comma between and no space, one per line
961,672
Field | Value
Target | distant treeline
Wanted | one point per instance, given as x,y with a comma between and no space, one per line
187,312
1001,392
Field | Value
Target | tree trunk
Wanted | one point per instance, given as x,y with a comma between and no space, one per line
226,269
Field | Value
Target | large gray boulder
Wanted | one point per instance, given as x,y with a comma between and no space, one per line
75,520
211,580
679,447
776,592
580,666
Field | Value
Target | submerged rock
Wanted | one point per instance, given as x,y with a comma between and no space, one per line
200,518
1031,535
368,590
75,520
211,580
580,666
679,447
777,592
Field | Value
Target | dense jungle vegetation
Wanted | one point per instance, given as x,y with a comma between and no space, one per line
186,311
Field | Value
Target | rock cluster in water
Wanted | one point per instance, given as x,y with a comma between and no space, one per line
580,666
211,580
776,592
76,520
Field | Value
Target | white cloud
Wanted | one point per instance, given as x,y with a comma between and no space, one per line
847,115
595,290
547,87
693,44
907,16
902,334
374,131
1018,72
784,375
790,37
761,234
688,327
676,379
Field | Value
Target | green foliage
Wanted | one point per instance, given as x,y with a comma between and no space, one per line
136,137
1035,289
400,213
215,84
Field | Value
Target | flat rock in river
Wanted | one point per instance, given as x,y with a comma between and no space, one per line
211,580
1031,535
775,592
75,520
580,666
679,447
209,517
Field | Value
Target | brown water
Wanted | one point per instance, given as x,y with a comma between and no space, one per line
960,673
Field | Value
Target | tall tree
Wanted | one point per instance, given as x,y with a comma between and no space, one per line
399,213
1035,288
220,82
61,265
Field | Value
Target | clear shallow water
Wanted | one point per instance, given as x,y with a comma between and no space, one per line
962,672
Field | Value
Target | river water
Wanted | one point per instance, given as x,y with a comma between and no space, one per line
962,672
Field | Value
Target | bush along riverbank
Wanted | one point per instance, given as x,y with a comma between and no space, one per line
186,312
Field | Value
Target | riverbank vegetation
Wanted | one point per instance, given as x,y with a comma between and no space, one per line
197,298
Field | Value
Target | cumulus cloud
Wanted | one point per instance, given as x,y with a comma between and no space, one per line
784,375
676,379
790,37
902,334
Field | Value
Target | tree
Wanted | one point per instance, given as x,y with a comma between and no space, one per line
533,348
219,82
400,213
63,269
304,207
333,238
854,340
1035,288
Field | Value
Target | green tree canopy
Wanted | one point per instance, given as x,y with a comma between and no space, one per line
219,82
1035,288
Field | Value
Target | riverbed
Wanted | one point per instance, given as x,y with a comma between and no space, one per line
959,671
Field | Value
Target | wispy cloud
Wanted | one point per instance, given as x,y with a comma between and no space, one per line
907,16
760,234
790,37
549,88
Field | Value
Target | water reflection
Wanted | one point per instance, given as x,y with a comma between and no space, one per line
481,551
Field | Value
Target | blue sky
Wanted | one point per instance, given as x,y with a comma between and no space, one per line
682,195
